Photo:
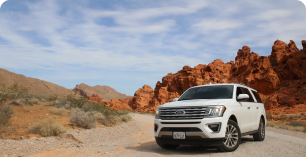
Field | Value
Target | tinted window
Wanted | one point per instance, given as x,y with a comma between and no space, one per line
257,96
246,91
208,92
239,91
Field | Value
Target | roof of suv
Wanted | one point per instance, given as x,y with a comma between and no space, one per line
237,84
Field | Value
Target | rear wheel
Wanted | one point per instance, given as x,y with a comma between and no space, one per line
260,135
232,137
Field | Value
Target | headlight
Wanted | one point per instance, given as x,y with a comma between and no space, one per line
157,113
215,111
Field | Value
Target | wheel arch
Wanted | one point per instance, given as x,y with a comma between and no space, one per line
263,119
233,118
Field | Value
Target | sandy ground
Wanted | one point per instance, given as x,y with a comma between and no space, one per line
136,139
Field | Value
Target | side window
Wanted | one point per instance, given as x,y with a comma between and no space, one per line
246,91
257,96
238,91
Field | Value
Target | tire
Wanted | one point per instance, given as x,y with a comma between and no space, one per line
260,135
167,146
232,137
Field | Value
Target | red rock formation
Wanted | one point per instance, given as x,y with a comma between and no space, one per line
96,98
279,78
141,98
119,104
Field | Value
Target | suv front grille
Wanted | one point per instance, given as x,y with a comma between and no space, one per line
189,113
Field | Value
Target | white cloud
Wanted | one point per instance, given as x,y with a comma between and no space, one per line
208,25
155,37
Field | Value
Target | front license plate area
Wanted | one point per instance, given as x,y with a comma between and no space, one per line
179,135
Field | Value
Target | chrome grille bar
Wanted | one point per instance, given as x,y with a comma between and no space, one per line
190,113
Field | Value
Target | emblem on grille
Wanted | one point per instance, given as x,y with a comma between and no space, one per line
180,112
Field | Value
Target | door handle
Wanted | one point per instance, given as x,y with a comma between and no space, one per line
257,107
249,107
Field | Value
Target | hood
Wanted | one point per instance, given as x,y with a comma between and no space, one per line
197,102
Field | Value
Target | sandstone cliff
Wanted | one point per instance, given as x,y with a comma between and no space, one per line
279,78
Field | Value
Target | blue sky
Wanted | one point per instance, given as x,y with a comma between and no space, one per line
125,44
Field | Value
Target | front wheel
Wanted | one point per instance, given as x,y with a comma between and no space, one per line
232,137
260,135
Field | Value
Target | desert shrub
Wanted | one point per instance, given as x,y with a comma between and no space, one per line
283,117
268,115
76,102
59,103
90,106
52,97
48,127
5,114
302,114
99,116
126,118
284,125
57,111
21,102
83,119
67,106
34,101
275,113
111,120
17,102
12,93
293,117
27,102
297,123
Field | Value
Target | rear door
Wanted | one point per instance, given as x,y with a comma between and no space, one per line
257,109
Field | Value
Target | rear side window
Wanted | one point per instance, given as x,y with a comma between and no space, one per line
241,90
257,96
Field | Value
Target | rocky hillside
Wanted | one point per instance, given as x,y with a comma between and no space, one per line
35,86
279,78
105,92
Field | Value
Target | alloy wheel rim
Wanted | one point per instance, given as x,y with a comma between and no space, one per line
231,136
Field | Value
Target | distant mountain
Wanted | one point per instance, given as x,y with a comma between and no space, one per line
35,86
105,92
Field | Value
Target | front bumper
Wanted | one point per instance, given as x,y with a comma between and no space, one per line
197,131
190,140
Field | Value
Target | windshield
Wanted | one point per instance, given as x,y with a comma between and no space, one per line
208,92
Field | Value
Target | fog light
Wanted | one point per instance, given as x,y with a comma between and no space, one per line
215,127
155,127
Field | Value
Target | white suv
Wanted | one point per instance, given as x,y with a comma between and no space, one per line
211,115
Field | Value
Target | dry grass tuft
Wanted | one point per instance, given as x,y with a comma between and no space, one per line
287,126
84,119
111,120
48,127
57,111
17,102
5,114
34,101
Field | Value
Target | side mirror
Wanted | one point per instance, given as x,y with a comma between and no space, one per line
243,97
175,99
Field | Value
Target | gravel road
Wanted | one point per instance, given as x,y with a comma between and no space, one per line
136,139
